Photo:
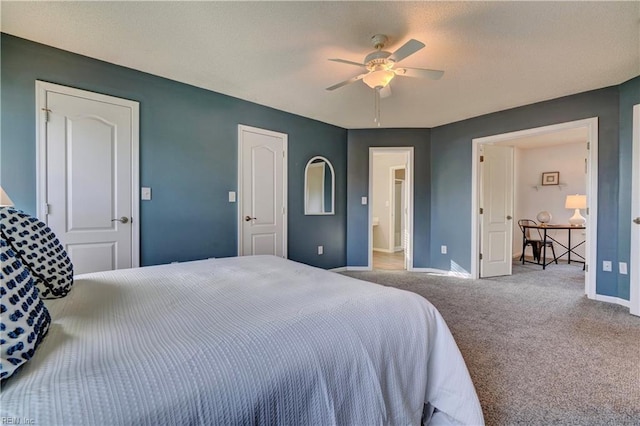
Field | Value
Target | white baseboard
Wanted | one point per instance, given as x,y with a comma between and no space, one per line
358,268
340,269
612,299
441,272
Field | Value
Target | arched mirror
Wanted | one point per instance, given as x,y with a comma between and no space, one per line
319,187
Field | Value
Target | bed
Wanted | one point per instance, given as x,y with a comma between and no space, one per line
247,340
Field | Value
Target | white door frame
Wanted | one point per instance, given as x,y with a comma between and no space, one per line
408,252
634,277
592,192
285,183
392,197
42,88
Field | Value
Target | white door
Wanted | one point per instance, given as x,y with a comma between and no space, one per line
497,206
86,187
262,177
634,278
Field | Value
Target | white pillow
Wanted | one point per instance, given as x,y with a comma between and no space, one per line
24,320
39,249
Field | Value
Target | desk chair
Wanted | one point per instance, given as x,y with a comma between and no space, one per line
536,244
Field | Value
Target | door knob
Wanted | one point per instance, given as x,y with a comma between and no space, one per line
123,219
248,218
636,220
509,218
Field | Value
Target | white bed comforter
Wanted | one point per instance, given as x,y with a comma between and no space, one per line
250,340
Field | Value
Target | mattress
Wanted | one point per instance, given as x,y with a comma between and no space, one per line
247,340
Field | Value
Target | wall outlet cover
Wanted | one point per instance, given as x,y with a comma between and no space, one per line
606,265
622,266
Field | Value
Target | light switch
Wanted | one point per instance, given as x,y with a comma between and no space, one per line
145,193
364,201
232,196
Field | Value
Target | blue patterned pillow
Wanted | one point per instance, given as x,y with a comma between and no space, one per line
39,249
24,320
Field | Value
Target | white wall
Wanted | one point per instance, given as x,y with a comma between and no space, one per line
381,203
532,198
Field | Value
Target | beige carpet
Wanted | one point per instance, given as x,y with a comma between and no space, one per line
539,352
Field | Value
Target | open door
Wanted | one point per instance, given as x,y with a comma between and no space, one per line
496,208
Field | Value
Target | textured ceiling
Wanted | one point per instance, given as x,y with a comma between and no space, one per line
496,55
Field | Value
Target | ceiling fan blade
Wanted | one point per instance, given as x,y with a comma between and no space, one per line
419,72
344,83
385,92
344,61
409,48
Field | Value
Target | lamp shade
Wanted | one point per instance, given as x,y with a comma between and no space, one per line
5,201
576,202
379,78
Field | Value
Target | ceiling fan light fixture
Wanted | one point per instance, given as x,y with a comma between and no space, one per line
378,78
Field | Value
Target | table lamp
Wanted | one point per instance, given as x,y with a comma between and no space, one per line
576,202
5,201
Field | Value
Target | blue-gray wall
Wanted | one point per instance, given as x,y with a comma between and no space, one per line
358,186
188,155
451,174
443,179
629,96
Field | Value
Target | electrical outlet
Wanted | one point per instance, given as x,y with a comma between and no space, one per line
320,250
232,196
443,249
622,267
606,265
363,201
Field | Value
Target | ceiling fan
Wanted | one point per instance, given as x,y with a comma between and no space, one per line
380,65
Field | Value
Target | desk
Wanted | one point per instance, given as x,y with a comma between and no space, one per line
568,248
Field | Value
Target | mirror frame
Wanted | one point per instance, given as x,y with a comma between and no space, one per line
333,188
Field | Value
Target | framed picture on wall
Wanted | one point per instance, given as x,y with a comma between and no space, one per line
550,178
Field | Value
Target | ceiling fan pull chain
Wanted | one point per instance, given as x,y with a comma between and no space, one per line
376,106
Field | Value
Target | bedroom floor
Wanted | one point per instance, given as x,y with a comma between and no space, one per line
539,352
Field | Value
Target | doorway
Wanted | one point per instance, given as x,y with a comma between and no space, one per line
88,175
390,208
590,128
262,185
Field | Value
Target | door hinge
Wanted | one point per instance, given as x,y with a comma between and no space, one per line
588,145
586,268
480,256
47,111
481,210
482,158
587,211
284,210
46,208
